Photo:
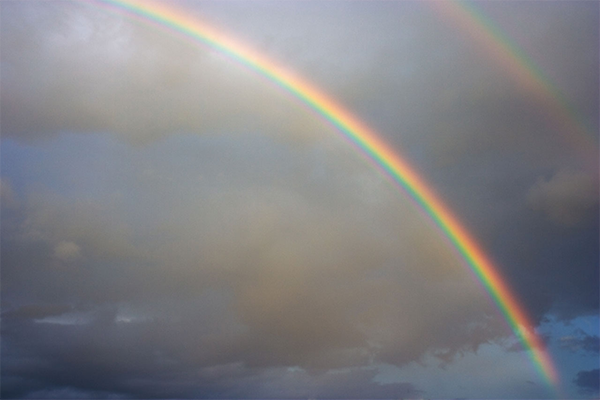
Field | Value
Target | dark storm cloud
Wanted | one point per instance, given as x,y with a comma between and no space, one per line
588,381
552,267
567,198
104,358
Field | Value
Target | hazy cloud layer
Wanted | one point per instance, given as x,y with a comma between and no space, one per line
175,226
264,277
83,70
7,195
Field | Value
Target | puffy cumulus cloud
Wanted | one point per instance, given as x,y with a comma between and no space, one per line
71,68
567,198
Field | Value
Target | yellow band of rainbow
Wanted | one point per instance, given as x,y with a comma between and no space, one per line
370,145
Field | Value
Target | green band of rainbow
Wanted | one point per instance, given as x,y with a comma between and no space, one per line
374,148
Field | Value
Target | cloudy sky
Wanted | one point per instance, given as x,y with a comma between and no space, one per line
174,225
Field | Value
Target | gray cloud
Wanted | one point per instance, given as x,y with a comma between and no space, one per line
566,198
37,311
89,71
588,381
8,198
196,256
262,276
67,251
581,341
65,369
267,246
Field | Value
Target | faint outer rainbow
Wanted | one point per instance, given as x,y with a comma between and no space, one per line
510,58
373,148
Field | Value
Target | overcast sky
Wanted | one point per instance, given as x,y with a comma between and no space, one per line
174,225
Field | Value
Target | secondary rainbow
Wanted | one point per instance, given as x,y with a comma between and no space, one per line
512,60
368,142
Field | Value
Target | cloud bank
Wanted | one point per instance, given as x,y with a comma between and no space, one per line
173,226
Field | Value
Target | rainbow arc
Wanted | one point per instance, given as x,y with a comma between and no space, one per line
370,146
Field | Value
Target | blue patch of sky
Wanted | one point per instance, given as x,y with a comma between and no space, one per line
568,362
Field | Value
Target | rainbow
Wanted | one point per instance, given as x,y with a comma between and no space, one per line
371,146
513,61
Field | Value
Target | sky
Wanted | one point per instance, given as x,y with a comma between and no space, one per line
174,225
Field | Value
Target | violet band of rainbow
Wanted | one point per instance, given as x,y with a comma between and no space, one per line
372,147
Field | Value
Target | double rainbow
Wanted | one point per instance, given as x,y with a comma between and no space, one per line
369,143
